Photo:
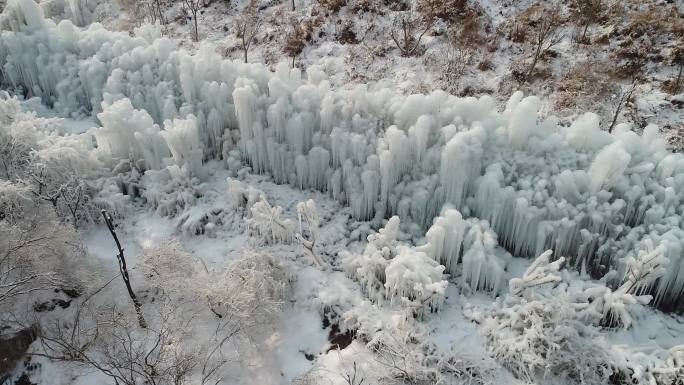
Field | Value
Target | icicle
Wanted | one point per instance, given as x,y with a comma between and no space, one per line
483,269
245,109
590,195
419,135
183,141
608,167
461,164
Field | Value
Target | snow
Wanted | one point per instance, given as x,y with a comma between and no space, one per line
428,203
413,276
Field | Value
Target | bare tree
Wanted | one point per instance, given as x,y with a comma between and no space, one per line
156,11
620,102
49,171
53,183
194,6
294,42
104,339
170,350
14,150
546,35
248,25
36,254
12,155
76,197
247,294
454,64
587,12
351,378
45,186
15,201
17,275
404,31
151,11
123,269
58,184
678,60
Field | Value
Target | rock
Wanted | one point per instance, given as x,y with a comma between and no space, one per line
13,345
72,292
51,305
24,379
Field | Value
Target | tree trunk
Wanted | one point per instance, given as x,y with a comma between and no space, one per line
194,17
293,62
293,5
612,124
679,78
124,270
624,97
584,33
537,53
245,52
7,171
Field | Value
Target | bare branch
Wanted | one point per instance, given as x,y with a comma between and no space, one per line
123,269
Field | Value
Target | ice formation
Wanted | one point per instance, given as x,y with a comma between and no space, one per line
467,246
414,277
267,225
243,195
388,269
128,133
617,307
555,328
540,272
171,190
369,267
307,216
181,137
593,197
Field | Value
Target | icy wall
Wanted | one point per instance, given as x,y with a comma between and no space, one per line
592,197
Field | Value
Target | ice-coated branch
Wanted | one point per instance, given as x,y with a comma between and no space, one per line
307,216
646,268
540,272
621,306
267,223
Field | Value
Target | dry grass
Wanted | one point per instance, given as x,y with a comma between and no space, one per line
132,9
447,10
332,6
655,22
584,85
630,59
521,29
365,6
486,63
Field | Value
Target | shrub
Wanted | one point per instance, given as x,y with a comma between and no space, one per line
294,42
332,6
448,10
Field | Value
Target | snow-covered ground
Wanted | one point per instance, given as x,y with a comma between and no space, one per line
298,346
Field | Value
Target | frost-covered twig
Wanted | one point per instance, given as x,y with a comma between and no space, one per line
266,222
646,268
619,307
540,272
307,216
